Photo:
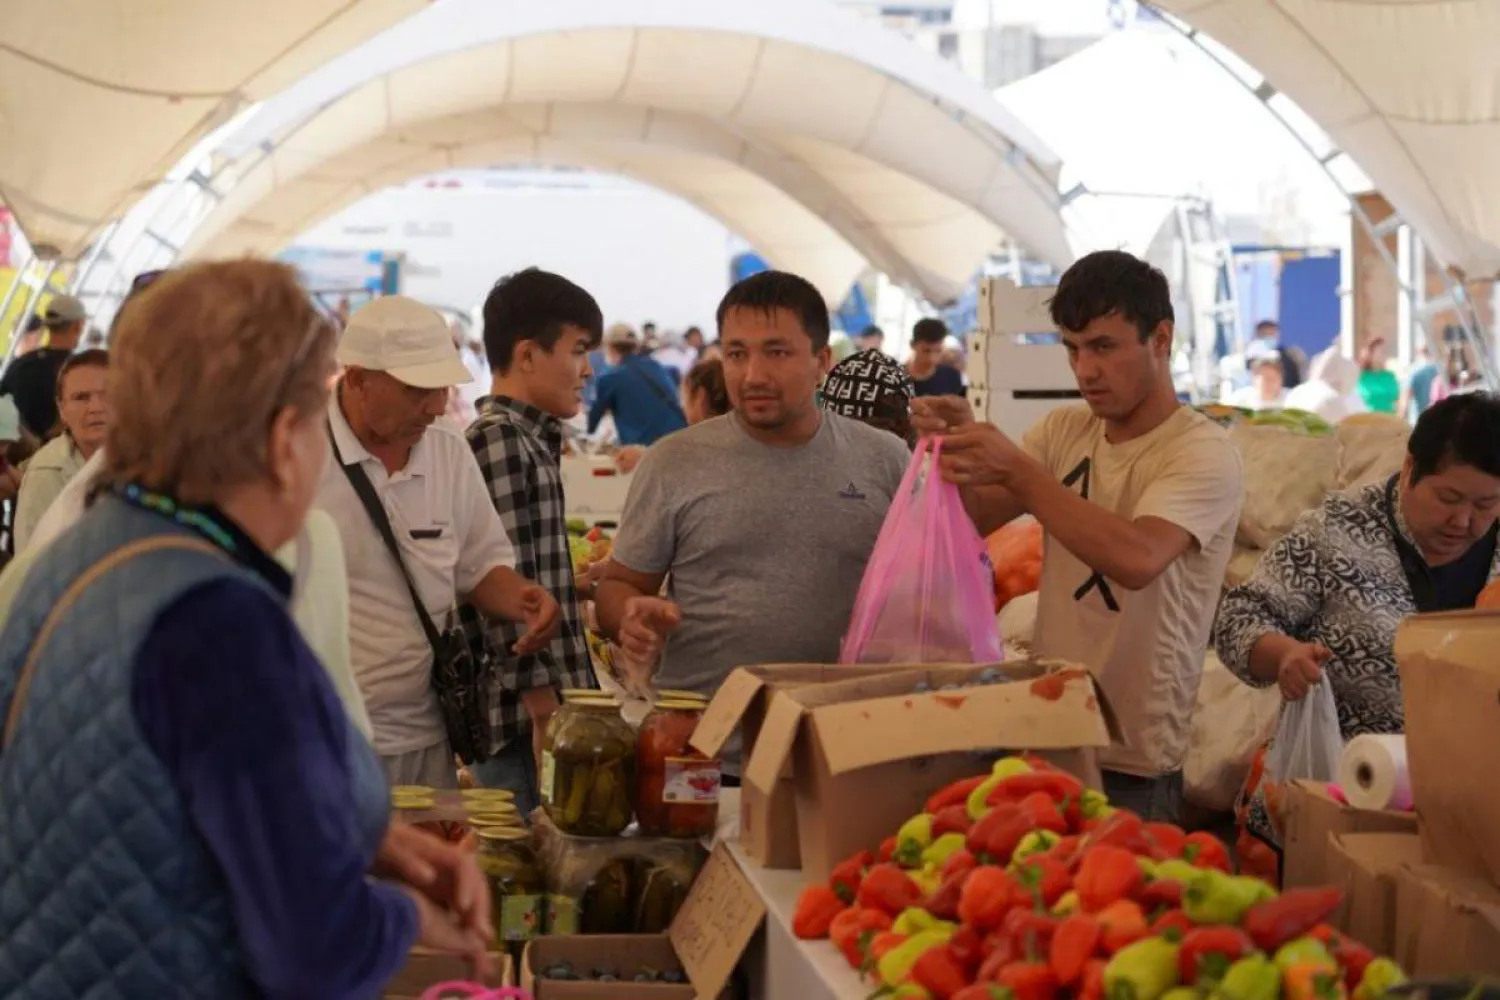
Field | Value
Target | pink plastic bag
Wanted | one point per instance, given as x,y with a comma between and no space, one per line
928,591
458,990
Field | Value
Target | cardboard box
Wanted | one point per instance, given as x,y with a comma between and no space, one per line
424,969
707,938
1447,922
1450,683
768,819
1366,867
1311,817
862,756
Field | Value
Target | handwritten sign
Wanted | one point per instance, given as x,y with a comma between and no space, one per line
716,923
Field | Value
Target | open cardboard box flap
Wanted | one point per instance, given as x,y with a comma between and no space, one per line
878,719
709,934
744,684
1450,682
1447,922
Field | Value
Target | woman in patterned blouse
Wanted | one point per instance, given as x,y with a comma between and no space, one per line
1328,596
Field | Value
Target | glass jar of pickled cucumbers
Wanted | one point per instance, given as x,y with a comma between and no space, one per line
516,885
588,766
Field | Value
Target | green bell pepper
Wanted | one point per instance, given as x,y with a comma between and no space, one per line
1034,842
1177,870
1380,977
1093,804
1304,949
1254,977
939,851
1141,971
912,839
1211,897
895,965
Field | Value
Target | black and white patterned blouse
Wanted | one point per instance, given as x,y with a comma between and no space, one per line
1335,578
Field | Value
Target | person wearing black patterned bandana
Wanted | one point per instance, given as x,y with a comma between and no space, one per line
874,389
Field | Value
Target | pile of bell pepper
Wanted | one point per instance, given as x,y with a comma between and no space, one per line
1023,884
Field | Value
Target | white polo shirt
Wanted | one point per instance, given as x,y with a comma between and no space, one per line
450,538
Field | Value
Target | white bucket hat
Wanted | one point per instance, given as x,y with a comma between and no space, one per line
405,339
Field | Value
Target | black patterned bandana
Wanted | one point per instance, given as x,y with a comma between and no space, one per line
866,385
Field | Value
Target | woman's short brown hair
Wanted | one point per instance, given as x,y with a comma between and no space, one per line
707,377
202,362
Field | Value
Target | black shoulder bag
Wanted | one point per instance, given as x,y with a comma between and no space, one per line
459,680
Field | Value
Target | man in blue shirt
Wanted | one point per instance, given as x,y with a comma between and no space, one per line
638,391
928,374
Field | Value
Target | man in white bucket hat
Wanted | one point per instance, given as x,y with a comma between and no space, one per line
395,460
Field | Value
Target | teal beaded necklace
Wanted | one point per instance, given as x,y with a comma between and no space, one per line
194,520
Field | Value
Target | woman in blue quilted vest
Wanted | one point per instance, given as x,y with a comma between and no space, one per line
188,811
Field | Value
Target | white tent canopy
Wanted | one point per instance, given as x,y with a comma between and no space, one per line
1407,89
1218,144
825,140
102,97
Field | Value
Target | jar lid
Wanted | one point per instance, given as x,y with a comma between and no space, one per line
494,817
681,705
419,791
678,694
488,793
413,802
502,834
569,694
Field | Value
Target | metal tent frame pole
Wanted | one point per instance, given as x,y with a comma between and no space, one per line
1456,295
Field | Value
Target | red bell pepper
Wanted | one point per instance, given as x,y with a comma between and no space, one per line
816,908
1121,828
1204,850
1046,879
1029,981
1031,930
943,903
959,861
1041,809
1168,836
1124,923
951,819
1207,953
1108,873
848,874
1073,944
1058,785
887,850
1092,987
1289,916
988,895
997,833
968,948
940,973
956,794
1172,925
1352,956
886,887
1162,894
852,931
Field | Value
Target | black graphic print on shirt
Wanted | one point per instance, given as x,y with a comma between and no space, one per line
1081,476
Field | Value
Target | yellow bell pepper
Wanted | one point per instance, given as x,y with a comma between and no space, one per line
1093,804
1147,866
895,965
911,991
1034,842
928,878
912,839
940,850
1066,905
1005,767
1009,767
914,920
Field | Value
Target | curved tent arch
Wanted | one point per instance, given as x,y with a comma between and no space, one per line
258,219
105,96
785,85
1405,89
763,213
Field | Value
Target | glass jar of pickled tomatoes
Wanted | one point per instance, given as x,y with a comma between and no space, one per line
677,788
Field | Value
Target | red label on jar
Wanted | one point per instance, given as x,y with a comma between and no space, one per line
690,780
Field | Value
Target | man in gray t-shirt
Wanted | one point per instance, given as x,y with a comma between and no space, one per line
764,518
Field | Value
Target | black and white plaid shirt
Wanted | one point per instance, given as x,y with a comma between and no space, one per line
519,449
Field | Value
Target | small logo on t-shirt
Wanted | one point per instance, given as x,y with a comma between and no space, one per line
851,492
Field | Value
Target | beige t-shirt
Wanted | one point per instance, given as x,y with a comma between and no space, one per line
1145,647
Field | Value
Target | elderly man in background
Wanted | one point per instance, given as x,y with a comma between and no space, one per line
84,415
402,476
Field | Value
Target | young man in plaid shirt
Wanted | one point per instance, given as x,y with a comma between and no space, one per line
538,328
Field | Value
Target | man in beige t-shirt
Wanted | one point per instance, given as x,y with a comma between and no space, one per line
1138,496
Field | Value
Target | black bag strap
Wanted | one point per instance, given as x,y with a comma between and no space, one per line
672,401
365,490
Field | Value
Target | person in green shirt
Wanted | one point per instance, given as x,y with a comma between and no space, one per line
1378,386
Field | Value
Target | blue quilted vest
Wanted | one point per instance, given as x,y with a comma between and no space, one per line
106,888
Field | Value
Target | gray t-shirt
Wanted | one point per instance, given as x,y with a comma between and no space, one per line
766,545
